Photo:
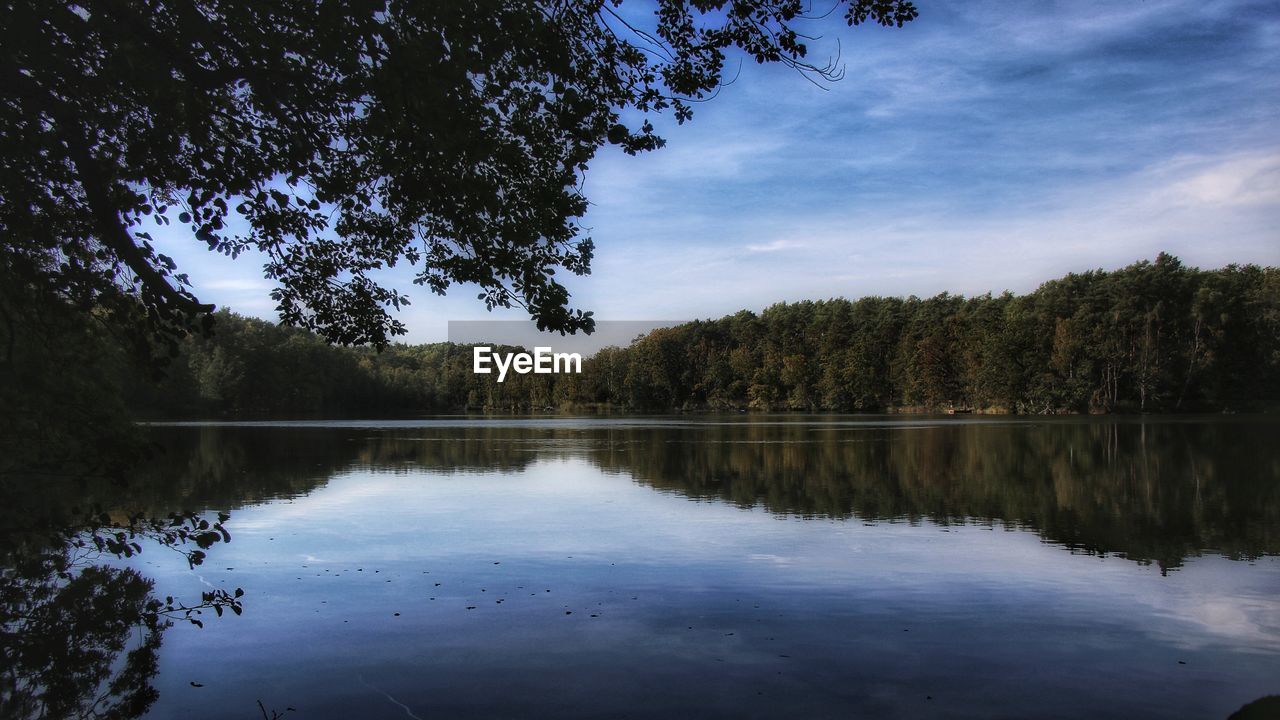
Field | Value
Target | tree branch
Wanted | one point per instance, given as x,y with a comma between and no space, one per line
93,181
112,233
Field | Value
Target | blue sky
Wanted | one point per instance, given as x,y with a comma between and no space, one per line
986,146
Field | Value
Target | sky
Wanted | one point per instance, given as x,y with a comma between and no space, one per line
984,147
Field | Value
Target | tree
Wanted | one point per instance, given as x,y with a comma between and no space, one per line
350,135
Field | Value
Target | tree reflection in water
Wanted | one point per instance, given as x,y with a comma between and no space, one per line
1153,491
79,636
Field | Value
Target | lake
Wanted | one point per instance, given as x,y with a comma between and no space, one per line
725,567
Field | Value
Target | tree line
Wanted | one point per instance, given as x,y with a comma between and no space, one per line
1151,337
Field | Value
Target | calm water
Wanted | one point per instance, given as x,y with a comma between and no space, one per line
726,567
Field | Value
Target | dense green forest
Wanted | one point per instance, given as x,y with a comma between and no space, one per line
1154,336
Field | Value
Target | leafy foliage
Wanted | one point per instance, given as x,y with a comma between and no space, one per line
343,138
175,531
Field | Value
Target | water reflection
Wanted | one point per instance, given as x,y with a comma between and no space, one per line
1149,491
79,634
815,566
79,641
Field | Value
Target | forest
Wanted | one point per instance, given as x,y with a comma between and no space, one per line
1151,337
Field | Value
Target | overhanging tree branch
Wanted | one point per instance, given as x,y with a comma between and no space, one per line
112,233
407,121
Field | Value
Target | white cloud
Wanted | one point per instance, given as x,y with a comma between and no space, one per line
774,246
1208,210
616,179
238,285
1252,179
